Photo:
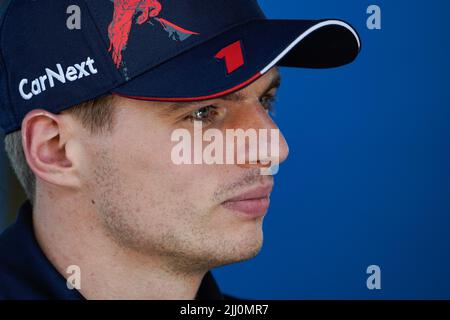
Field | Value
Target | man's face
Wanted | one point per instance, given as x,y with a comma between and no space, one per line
181,212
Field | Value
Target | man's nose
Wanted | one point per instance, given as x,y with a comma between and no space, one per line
270,148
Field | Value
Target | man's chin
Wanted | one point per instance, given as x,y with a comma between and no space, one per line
242,249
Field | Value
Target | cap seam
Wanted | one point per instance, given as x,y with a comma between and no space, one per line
2,56
13,112
105,45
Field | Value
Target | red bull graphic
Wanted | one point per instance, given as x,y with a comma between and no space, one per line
124,13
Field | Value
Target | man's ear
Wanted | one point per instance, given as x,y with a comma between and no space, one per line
49,150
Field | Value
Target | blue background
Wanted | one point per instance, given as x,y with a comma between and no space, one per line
368,179
368,176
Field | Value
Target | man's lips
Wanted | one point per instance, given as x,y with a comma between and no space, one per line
253,203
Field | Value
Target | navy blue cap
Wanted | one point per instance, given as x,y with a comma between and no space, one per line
159,50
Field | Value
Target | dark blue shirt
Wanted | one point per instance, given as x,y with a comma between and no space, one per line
26,273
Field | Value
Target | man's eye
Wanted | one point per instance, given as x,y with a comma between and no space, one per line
268,102
204,114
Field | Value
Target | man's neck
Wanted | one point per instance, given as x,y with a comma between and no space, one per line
107,270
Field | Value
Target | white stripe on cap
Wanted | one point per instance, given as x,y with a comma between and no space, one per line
307,33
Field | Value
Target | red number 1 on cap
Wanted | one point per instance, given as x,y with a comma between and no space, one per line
234,58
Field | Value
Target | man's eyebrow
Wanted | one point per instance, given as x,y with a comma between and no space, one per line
237,96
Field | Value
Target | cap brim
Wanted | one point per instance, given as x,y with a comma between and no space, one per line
197,75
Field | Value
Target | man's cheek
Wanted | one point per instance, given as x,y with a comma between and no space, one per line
151,158
197,182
